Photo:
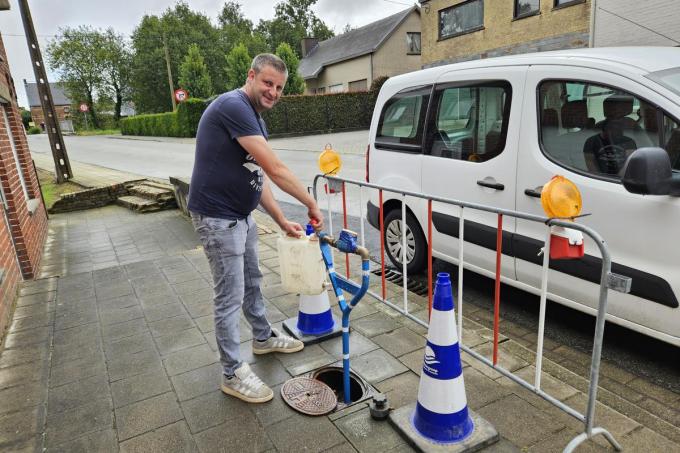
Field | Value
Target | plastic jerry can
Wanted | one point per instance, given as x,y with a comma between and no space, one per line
301,265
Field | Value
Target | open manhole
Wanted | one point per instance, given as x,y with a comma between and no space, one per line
395,276
359,390
309,396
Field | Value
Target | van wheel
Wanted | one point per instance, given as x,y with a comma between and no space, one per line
416,247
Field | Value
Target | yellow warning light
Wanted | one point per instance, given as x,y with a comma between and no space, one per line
561,198
329,161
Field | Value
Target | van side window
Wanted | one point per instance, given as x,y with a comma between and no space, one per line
594,128
402,120
471,121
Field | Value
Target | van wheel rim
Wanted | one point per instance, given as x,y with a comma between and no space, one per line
394,241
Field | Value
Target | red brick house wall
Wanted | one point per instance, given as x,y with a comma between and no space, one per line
23,222
63,113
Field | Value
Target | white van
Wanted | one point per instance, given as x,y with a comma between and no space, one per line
494,131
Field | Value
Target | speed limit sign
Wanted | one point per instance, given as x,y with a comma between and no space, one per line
83,107
181,95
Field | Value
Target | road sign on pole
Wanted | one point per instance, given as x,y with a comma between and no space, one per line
181,95
83,107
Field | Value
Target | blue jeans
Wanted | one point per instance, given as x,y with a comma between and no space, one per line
231,248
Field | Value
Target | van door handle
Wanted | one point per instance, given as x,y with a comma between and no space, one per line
491,185
533,192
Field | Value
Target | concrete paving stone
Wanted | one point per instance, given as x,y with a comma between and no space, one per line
149,283
549,384
112,273
157,299
39,335
191,286
159,312
26,354
143,416
78,369
528,424
400,341
654,391
358,345
344,447
38,298
22,424
287,303
556,442
375,324
207,324
212,342
78,393
113,290
67,320
31,322
482,390
63,427
310,358
274,411
22,374
646,440
368,435
139,387
615,422
620,389
129,345
68,353
37,286
177,341
80,335
30,444
244,436
33,310
173,437
197,382
401,390
133,364
318,434
117,315
272,291
141,269
76,294
213,409
124,329
376,366
270,370
79,281
202,309
119,302
171,325
189,359
198,297
170,262
670,414
364,308
182,276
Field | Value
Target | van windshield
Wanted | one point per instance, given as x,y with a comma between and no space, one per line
669,78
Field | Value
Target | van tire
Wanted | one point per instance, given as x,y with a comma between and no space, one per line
415,241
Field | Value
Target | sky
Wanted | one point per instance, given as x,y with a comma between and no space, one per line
125,15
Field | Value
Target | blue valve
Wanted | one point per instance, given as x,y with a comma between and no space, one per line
309,230
347,242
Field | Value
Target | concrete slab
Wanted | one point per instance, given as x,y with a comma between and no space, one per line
174,437
140,387
147,415
189,359
246,435
368,435
212,409
301,432
376,366
483,435
400,341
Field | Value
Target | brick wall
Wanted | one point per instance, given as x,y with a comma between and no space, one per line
38,118
636,23
23,224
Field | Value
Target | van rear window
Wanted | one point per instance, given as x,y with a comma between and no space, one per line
402,119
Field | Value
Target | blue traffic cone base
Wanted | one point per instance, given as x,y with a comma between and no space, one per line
315,321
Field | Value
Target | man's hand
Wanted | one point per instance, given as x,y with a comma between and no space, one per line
315,217
292,229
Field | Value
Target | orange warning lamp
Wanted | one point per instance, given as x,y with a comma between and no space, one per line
561,198
329,161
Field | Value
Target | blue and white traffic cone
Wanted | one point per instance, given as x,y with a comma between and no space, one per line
440,420
315,316
441,412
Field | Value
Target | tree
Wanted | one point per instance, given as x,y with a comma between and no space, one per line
117,60
193,74
295,83
238,64
77,55
25,117
235,29
293,20
177,28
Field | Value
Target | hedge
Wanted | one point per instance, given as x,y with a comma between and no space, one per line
302,114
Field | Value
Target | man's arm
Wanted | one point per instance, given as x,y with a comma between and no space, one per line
280,174
272,207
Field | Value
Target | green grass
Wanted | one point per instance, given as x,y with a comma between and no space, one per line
51,191
48,192
98,132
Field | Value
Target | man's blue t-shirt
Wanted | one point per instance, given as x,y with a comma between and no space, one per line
227,181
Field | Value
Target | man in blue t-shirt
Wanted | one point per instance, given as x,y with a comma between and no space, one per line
232,171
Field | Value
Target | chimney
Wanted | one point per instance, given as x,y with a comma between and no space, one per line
308,44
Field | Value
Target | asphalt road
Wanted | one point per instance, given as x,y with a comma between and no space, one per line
160,158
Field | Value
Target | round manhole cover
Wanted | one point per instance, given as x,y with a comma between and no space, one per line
309,396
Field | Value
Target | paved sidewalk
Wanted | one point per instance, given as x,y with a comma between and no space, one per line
113,348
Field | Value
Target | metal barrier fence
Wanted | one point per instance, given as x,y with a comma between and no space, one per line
606,276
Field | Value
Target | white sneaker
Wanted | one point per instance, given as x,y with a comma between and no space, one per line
277,343
246,386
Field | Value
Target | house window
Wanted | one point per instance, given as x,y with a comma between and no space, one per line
12,144
560,3
335,88
358,85
525,8
413,43
460,19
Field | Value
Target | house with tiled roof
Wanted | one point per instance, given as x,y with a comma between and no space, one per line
351,61
62,104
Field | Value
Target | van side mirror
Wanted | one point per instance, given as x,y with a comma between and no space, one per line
648,172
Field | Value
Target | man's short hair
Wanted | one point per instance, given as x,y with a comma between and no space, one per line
268,59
